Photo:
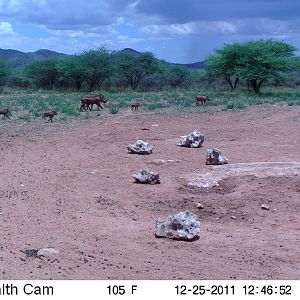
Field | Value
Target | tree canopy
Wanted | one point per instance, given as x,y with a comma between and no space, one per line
135,67
96,66
254,61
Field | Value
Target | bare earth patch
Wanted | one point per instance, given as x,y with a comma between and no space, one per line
258,169
68,188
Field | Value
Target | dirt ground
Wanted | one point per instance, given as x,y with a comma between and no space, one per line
69,186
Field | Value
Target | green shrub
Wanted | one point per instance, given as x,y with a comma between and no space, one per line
114,110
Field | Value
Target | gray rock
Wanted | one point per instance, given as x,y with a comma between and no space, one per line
140,147
215,157
146,176
182,226
193,140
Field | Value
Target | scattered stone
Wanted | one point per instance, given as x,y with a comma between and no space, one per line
244,214
147,176
154,125
215,157
233,217
265,207
182,226
199,205
46,251
193,140
140,147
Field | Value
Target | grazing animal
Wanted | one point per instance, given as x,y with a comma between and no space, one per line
50,115
5,112
135,106
202,99
89,101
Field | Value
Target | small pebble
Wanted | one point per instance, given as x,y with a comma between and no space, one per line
233,217
199,205
265,207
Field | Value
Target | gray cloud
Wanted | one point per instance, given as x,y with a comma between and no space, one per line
57,14
178,11
176,30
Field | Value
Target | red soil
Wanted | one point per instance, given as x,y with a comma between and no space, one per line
70,187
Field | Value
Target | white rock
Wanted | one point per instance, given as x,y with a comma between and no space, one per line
215,157
182,226
194,139
147,176
140,147
265,207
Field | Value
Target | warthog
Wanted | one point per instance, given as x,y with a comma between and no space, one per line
5,112
135,106
50,115
89,101
201,99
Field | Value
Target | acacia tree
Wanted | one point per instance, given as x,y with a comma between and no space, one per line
44,73
254,61
71,68
96,65
136,67
262,59
225,64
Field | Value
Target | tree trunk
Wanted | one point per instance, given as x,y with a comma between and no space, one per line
254,85
229,82
260,83
235,83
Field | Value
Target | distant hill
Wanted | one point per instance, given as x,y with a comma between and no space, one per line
130,51
195,66
20,59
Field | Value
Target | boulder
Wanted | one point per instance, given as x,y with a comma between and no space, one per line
215,157
146,176
140,147
182,226
193,140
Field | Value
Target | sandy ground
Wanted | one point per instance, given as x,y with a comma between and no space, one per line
70,187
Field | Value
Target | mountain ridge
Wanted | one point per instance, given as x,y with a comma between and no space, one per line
19,59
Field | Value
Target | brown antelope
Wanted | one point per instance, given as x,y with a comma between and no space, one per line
5,112
135,106
50,115
202,99
89,101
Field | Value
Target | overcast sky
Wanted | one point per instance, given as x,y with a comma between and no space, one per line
182,31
